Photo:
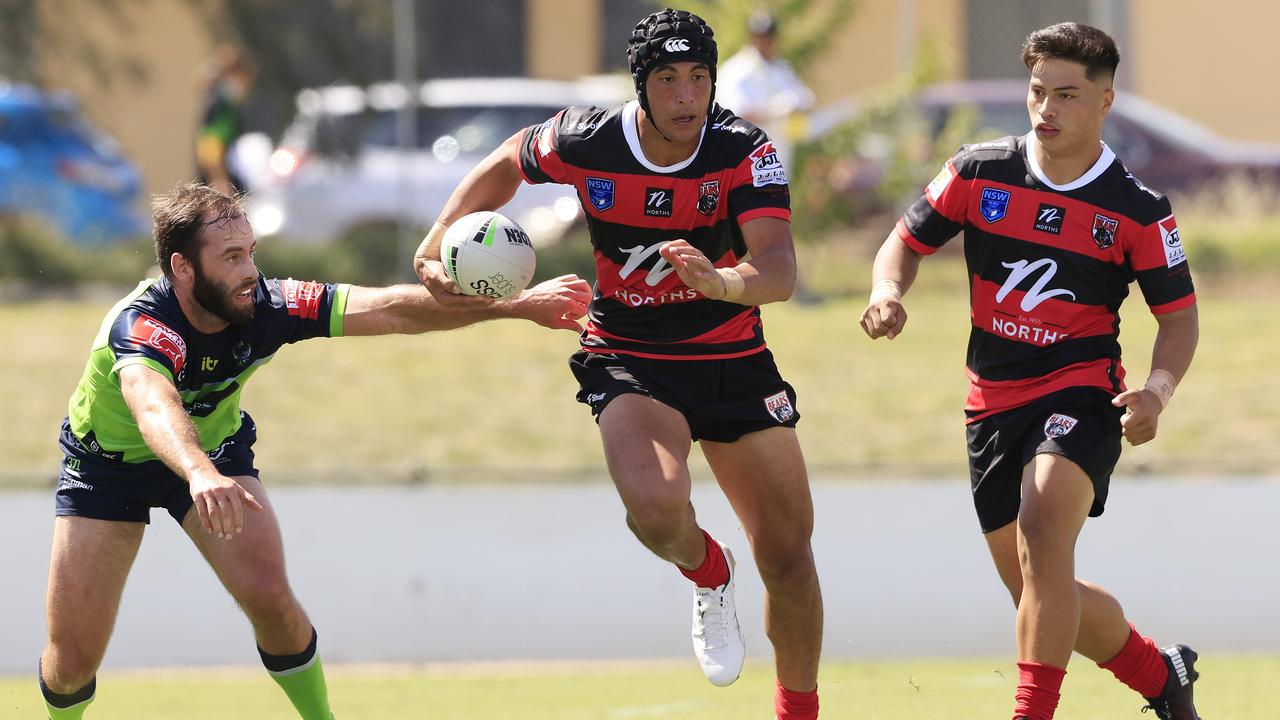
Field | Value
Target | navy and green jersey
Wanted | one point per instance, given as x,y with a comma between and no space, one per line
147,327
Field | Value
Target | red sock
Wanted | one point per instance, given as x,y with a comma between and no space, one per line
1139,665
792,705
714,570
1038,690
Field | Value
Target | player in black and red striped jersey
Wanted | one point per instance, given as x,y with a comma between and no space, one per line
688,210
1055,230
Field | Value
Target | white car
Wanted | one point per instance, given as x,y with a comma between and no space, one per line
341,167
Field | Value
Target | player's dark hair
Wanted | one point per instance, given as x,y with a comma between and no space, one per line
179,216
656,42
1074,42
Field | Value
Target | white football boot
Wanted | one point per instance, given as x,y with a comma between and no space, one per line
717,639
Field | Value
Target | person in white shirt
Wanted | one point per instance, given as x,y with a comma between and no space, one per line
761,87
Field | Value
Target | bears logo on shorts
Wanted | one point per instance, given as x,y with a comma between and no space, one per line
1058,425
779,406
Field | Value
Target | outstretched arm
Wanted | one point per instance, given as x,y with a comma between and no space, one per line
892,274
490,185
1171,355
165,427
412,309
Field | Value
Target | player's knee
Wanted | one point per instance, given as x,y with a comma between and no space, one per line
68,669
269,599
1043,534
785,564
658,523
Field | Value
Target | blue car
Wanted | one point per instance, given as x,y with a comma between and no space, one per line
58,168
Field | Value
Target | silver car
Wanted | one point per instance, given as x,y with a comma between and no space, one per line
341,166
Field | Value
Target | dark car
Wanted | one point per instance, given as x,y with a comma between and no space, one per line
1164,150
57,167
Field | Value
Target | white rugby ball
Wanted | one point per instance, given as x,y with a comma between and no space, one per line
486,253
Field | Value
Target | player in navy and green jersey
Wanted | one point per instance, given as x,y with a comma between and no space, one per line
156,422
688,210
148,328
1055,231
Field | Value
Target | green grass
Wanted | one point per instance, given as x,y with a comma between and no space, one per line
883,690
495,401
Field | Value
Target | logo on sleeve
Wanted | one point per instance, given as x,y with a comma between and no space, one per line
708,197
658,201
545,134
994,204
779,406
302,299
600,192
940,183
1173,252
1058,425
766,167
149,332
1104,230
1049,218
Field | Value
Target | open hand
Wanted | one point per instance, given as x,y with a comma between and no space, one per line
220,502
557,303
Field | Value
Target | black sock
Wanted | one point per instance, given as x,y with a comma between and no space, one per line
282,663
64,701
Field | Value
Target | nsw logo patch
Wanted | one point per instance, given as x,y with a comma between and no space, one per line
779,406
1058,425
600,193
994,204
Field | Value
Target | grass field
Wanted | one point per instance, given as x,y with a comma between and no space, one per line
496,400
895,690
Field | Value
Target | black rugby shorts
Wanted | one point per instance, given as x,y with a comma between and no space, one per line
722,400
93,486
1077,423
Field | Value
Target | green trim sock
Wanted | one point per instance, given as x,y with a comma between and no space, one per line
70,706
301,677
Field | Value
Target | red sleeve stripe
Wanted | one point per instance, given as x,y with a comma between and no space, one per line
781,213
1179,304
905,235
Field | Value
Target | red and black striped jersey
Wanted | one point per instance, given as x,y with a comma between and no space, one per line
633,207
1048,267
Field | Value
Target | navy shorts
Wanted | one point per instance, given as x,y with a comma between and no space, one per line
1078,423
95,486
722,400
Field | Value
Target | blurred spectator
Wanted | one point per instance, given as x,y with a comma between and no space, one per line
228,78
761,87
